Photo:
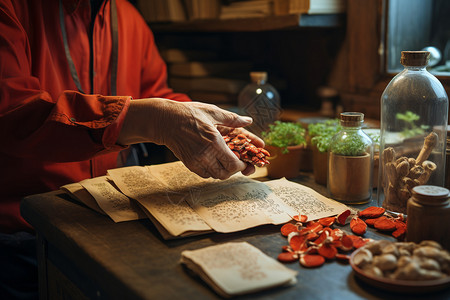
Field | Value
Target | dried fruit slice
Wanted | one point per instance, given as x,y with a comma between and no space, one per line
372,212
342,218
288,228
300,218
358,226
312,260
346,243
371,221
343,257
384,224
358,241
327,250
314,226
297,242
287,257
327,222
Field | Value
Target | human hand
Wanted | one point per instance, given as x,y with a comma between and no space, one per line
192,131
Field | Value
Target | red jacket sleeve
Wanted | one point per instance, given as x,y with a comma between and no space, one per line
69,127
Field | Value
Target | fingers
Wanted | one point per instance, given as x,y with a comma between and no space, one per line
256,140
250,169
229,119
219,161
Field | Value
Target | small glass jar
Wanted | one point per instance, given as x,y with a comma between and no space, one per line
350,161
414,114
429,215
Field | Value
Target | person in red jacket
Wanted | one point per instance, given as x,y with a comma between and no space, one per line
81,80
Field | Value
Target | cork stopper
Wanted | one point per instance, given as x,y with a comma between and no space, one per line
258,77
352,119
415,58
430,194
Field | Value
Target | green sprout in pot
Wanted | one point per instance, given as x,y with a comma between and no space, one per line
321,133
284,134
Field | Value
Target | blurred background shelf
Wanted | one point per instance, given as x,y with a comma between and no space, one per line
253,24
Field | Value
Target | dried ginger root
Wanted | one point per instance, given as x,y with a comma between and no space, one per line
404,173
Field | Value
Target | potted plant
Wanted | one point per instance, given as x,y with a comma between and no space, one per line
284,141
350,163
321,134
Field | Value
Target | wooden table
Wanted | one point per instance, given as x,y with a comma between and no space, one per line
83,254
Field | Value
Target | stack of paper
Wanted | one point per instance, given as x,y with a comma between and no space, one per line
233,269
181,203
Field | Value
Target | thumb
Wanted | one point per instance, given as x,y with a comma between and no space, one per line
230,119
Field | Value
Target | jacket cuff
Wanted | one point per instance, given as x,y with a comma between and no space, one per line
111,132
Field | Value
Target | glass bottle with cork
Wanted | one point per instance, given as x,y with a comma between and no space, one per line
261,101
350,161
414,114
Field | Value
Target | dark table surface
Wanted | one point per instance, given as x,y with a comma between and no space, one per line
130,260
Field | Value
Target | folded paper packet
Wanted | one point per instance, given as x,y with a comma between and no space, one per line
233,269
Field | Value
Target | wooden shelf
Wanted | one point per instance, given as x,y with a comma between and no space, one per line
253,24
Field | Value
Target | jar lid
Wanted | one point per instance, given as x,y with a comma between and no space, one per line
430,193
415,58
258,76
352,119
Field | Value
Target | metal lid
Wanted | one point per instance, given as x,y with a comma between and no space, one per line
352,119
430,194
415,58
258,77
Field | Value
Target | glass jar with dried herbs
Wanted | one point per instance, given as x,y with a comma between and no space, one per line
350,161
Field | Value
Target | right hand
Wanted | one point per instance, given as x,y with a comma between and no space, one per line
191,130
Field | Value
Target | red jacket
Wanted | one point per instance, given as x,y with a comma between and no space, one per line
50,133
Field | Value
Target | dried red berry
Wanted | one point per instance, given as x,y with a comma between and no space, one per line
245,150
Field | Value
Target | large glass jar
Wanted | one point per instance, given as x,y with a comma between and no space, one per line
261,101
414,114
350,161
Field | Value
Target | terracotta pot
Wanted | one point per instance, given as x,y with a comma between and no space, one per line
349,178
320,166
284,164
306,159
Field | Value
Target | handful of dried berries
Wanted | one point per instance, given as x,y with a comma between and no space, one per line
245,150
403,261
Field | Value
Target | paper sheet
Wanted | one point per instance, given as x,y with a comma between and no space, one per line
237,268
79,193
304,200
169,208
240,206
115,204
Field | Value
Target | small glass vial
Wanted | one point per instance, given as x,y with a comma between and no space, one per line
429,215
350,161
414,114
261,101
